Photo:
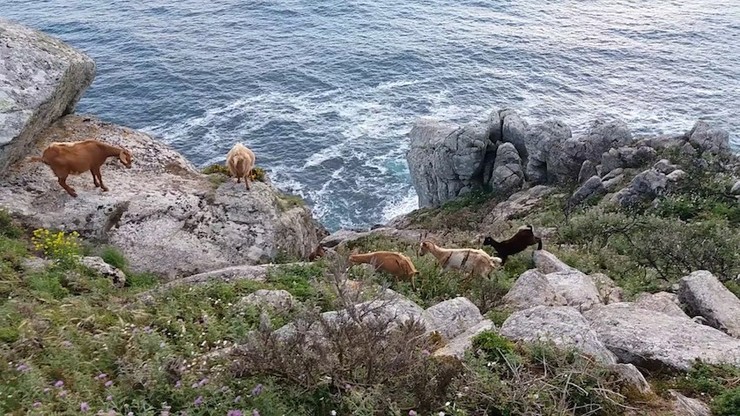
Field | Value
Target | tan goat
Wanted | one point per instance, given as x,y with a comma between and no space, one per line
74,158
240,161
474,261
396,264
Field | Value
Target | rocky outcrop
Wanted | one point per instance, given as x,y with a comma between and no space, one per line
654,340
41,79
627,157
705,138
162,214
457,346
519,204
544,143
279,301
451,317
705,295
547,262
578,290
663,302
532,289
508,175
593,188
446,161
588,169
563,326
646,186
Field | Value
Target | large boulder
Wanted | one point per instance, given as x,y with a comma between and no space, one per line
514,130
654,340
664,302
457,346
706,138
532,289
644,187
508,175
446,161
705,295
592,189
452,317
544,143
562,325
577,288
627,157
41,79
547,262
162,214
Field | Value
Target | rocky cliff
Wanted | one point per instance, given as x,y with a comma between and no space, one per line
164,215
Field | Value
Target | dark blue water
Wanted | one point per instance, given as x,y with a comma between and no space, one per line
325,91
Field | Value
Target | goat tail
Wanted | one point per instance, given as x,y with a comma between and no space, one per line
35,159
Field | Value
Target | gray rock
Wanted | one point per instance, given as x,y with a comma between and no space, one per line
99,266
654,340
35,264
562,325
446,161
42,79
664,302
592,189
735,190
684,406
664,166
457,346
612,184
452,317
547,262
514,130
517,206
644,187
546,162
609,292
616,173
664,142
508,175
588,169
162,214
280,301
495,127
708,139
705,295
532,289
627,157
577,288
676,175
633,377
341,238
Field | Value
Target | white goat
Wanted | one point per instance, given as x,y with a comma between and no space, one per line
474,261
240,161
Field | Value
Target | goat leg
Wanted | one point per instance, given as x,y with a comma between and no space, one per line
246,182
100,179
238,179
69,189
539,243
95,178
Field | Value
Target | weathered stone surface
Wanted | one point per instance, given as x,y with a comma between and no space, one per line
588,169
162,214
35,264
633,377
519,204
705,295
508,175
664,166
514,130
709,139
446,161
616,173
676,175
532,289
627,157
593,188
654,340
609,292
562,325
97,265
545,143
547,262
277,300
664,302
664,142
577,288
612,184
684,406
457,346
644,187
41,79
394,230
452,317
735,190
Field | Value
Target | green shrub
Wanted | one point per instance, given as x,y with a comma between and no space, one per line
494,346
112,256
8,227
216,168
727,403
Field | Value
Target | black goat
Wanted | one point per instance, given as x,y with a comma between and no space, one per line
523,238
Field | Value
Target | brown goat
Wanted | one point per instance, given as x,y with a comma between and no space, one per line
397,264
523,238
74,158
240,161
